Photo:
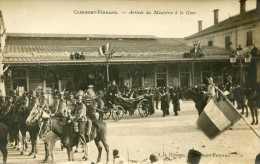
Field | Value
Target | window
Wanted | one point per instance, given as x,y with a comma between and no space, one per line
19,81
227,42
161,76
210,43
249,38
184,75
206,71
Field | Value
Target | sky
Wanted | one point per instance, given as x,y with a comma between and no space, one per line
177,18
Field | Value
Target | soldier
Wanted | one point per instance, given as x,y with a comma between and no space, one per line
71,104
44,102
61,111
56,101
33,100
210,91
79,119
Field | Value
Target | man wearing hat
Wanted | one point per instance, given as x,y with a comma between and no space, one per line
62,107
44,102
113,90
79,119
228,88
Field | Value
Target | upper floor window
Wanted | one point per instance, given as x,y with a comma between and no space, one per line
249,38
227,42
210,43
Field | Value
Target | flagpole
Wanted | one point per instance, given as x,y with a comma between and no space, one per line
241,116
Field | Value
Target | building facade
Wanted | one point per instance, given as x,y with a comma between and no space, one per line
240,31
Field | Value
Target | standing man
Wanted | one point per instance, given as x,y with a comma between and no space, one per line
113,91
210,90
157,97
175,101
165,102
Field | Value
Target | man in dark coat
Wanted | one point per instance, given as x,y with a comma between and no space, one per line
175,101
165,102
113,90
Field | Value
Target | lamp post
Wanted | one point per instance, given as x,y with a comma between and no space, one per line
238,57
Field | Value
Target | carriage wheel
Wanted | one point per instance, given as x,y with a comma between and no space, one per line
143,108
106,113
118,112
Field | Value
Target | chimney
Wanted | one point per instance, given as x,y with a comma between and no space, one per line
200,25
242,7
215,16
258,7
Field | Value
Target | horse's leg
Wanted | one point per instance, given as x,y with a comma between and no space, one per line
4,152
69,149
105,144
77,147
52,145
46,148
86,150
256,115
99,147
252,114
36,148
23,141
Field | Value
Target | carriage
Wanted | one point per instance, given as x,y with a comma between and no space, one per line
127,105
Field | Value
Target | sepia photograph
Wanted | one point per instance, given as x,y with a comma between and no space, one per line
129,81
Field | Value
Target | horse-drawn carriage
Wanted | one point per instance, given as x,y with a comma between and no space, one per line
125,106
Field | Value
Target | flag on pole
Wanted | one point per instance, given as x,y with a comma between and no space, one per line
104,49
107,47
218,115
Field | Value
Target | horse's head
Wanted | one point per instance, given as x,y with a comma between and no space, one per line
36,115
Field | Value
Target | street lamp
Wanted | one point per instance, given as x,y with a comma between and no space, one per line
239,54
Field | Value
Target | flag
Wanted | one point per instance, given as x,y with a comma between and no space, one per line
107,47
218,115
102,51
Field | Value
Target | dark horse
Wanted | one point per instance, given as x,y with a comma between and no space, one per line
197,97
3,141
64,130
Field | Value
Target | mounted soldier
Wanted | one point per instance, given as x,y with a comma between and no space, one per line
33,100
61,111
79,119
44,104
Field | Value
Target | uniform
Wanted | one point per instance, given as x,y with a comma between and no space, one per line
44,104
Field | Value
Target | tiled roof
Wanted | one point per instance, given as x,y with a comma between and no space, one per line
232,22
22,50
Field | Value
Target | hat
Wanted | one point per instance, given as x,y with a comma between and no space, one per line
210,78
229,77
115,153
91,86
153,158
80,93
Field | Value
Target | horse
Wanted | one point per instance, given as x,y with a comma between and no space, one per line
20,116
197,98
3,141
33,129
64,130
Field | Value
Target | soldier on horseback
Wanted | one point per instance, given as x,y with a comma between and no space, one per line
79,119
61,111
44,103
33,100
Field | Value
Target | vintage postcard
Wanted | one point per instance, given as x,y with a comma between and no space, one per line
127,81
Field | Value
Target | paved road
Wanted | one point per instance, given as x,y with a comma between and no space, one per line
136,138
